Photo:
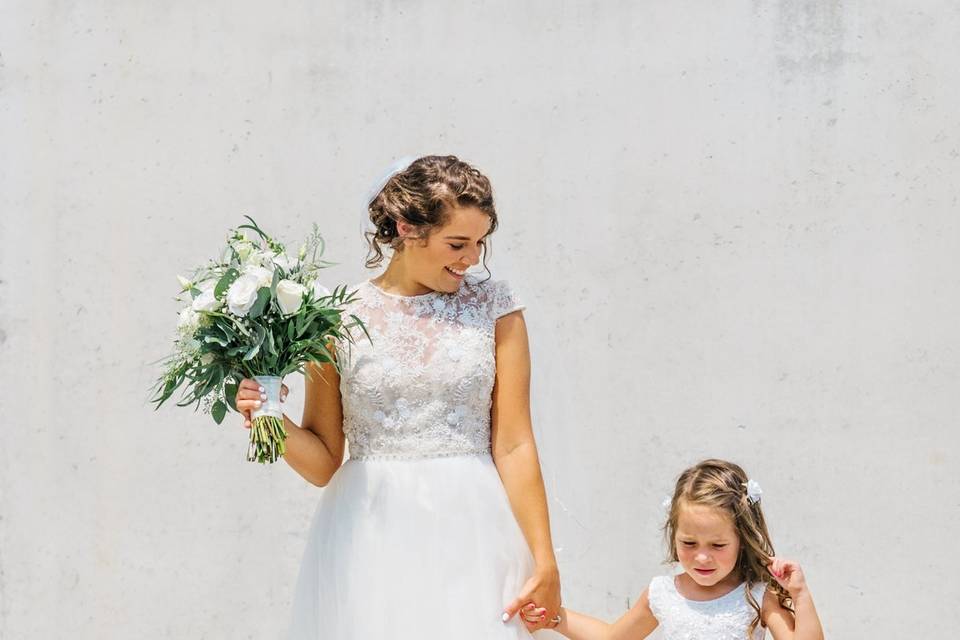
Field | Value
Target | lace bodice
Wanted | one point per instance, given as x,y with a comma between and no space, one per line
725,618
422,386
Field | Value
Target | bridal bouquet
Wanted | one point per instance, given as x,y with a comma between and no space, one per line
255,312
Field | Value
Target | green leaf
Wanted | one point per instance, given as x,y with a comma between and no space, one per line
230,393
273,284
255,349
218,411
256,228
220,341
263,297
225,281
271,345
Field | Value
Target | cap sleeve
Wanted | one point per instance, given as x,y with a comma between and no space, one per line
503,299
655,596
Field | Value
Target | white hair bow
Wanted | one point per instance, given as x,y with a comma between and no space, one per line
753,491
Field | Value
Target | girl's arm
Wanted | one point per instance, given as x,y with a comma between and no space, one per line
515,455
316,449
803,623
635,624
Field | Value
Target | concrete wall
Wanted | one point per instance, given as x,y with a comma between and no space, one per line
735,224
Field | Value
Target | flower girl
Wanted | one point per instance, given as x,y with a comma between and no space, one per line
732,586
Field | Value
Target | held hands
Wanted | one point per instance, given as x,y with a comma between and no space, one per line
788,575
249,396
535,618
539,600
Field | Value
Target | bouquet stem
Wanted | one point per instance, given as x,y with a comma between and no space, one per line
267,433
267,437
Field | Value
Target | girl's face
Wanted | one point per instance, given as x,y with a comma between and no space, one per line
449,250
707,543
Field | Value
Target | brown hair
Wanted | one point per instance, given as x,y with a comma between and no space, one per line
423,195
722,485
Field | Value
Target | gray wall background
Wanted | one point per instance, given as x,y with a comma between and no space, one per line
734,223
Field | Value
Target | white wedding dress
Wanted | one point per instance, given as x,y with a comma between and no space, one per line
414,537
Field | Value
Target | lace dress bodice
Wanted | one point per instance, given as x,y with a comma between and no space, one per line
422,385
725,618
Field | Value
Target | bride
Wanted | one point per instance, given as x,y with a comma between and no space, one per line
436,526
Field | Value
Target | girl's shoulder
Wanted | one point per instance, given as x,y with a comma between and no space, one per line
660,584
660,592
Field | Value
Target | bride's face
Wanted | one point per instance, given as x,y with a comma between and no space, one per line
440,261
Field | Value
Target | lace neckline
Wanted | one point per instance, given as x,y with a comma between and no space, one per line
419,296
673,586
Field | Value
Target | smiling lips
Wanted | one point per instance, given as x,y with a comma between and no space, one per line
456,274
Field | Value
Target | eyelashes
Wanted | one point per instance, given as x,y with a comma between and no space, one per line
480,243
688,544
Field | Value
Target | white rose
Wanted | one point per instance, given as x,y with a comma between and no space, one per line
262,275
319,291
188,321
259,258
290,296
242,294
206,301
285,262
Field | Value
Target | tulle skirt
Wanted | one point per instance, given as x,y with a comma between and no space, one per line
412,549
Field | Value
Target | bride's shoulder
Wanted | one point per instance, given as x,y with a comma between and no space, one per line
496,295
483,288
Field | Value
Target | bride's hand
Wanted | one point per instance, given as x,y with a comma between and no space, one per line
249,396
542,590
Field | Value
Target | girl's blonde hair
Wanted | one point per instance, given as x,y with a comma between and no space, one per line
722,485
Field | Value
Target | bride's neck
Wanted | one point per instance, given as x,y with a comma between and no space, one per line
396,278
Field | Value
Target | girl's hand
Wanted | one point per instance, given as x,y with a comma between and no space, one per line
542,591
535,618
249,396
788,575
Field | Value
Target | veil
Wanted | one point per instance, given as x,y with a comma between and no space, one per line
396,167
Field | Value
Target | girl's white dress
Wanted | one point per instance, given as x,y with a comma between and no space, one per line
725,618
414,537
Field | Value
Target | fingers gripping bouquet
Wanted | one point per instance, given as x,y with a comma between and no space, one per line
256,312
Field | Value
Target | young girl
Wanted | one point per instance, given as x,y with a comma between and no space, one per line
732,585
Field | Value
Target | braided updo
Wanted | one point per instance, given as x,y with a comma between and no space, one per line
423,195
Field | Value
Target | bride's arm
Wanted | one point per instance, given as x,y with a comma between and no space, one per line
315,450
515,454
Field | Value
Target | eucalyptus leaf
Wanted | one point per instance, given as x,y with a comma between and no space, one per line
263,297
218,411
224,283
230,393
